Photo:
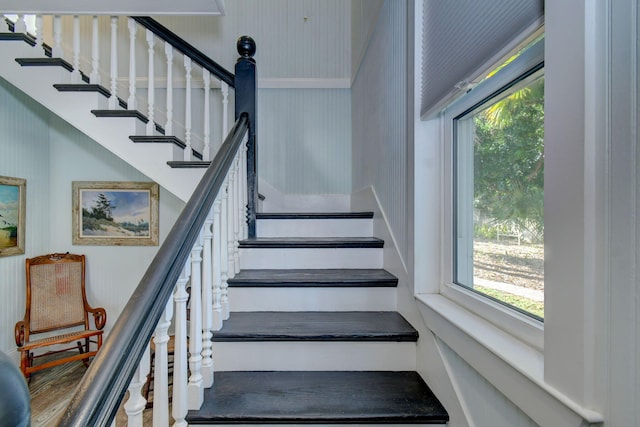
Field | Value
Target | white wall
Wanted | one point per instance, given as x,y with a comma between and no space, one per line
379,128
50,154
24,153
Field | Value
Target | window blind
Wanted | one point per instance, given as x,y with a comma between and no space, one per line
461,39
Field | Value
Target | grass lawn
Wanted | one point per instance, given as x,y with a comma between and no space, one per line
523,303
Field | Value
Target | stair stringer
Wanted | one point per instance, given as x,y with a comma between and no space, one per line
430,363
112,133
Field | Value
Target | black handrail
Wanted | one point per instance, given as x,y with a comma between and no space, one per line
103,386
187,49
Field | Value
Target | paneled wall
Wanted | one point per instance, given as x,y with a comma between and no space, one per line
50,154
24,153
304,144
485,405
379,127
295,38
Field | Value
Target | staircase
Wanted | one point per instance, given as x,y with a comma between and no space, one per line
313,336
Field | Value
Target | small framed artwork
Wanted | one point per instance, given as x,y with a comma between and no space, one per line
12,215
115,213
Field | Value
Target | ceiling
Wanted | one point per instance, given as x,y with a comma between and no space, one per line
114,7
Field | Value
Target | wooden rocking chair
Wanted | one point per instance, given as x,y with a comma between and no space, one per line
57,304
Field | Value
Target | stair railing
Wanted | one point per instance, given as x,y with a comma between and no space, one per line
201,250
142,66
194,253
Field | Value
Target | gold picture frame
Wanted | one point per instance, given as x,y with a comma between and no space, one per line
115,213
13,196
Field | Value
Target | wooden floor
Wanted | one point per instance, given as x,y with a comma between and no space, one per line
52,389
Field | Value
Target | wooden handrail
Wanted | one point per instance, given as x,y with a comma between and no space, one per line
103,386
186,48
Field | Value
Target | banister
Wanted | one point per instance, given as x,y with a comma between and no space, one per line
103,386
186,48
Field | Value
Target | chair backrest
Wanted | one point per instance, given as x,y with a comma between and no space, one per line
56,296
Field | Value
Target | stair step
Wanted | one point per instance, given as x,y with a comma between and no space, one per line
44,62
161,139
336,277
316,326
18,37
88,87
319,397
179,164
312,242
313,215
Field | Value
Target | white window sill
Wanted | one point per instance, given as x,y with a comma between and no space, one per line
513,367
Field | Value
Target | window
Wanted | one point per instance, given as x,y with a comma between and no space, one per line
498,167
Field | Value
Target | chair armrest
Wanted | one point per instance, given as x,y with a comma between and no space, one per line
99,316
20,333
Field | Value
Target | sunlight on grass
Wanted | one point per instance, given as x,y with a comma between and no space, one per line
533,307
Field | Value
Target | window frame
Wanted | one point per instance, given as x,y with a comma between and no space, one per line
518,324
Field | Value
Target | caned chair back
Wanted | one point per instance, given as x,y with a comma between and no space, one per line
55,292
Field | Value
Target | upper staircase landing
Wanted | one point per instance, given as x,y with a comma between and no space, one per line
137,124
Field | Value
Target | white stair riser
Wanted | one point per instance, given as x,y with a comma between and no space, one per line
314,356
312,299
359,227
256,258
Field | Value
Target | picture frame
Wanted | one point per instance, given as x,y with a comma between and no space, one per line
13,196
112,213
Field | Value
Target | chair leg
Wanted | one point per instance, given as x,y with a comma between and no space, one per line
84,349
26,361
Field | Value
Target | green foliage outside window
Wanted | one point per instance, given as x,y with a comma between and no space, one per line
509,161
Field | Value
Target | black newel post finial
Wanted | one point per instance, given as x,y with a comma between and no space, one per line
246,103
246,47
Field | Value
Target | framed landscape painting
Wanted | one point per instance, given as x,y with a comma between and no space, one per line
12,215
115,213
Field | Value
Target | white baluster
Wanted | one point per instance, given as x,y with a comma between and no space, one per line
224,89
245,194
196,389
39,39
76,77
136,403
236,215
161,368
224,254
206,152
20,26
56,49
231,212
94,77
151,41
207,302
187,109
217,264
168,126
179,400
113,99
131,101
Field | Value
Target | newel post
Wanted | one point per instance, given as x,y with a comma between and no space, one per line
246,102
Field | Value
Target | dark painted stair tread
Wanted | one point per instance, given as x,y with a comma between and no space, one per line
313,215
320,397
316,326
180,164
312,242
354,277
44,62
